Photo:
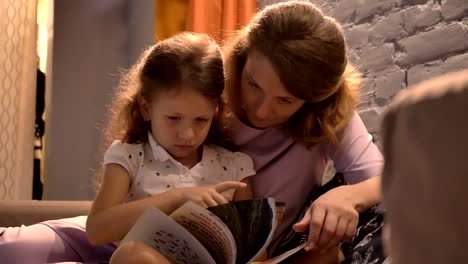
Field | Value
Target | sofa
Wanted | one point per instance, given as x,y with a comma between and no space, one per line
425,179
27,212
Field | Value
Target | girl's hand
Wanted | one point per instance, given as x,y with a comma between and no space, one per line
212,195
331,219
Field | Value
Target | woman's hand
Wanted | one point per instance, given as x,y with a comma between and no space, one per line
212,195
331,219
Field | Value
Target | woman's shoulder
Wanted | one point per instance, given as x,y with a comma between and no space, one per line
354,128
224,154
239,164
356,155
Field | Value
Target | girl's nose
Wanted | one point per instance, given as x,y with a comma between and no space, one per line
187,134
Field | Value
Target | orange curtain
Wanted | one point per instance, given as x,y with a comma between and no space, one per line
219,18
170,17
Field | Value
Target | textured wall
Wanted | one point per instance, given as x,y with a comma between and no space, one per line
93,40
18,63
397,43
89,44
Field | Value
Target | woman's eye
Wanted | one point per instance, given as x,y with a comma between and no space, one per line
253,84
201,120
284,101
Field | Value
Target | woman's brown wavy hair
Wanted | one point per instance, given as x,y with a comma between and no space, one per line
308,52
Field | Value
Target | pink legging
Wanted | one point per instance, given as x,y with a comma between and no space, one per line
49,242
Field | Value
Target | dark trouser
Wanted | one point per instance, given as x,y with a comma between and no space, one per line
365,247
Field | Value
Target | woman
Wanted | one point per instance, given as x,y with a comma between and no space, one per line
294,94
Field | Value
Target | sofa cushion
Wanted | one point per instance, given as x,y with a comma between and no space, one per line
425,176
27,212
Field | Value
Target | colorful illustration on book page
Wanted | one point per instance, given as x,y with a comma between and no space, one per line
168,245
161,232
209,230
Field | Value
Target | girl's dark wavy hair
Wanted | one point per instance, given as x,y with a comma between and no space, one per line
185,60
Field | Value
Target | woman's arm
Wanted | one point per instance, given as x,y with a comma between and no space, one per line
244,167
334,216
245,193
366,194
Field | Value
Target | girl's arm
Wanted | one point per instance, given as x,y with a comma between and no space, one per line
110,219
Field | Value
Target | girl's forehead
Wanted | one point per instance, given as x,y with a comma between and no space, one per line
185,100
178,92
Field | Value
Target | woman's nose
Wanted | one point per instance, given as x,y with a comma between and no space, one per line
264,110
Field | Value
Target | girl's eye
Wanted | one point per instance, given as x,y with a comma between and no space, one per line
201,120
175,118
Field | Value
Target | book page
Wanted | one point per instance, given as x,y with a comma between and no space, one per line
209,230
161,232
285,255
252,223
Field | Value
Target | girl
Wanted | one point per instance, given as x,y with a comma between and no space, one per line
162,120
165,119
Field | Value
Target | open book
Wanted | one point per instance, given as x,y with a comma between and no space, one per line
237,232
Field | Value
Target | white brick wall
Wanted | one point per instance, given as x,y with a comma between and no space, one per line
397,43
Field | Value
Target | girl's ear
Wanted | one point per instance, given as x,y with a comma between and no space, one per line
145,108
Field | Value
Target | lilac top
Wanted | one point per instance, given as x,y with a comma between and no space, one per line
288,171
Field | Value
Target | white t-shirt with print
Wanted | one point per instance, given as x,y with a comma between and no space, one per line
153,170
